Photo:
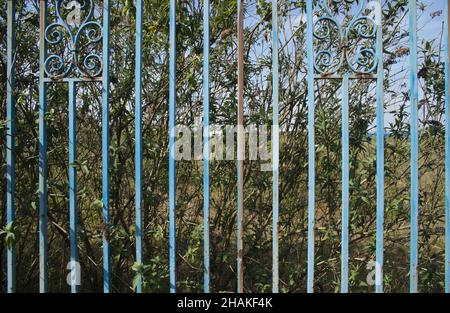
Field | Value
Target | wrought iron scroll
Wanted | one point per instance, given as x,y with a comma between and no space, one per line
346,44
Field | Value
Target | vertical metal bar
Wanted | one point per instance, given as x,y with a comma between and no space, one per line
43,276
172,112
73,186
10,116
105,147
275,147
138,139
380,155
311,147
240,149
345,184
414,144
447,145
206,208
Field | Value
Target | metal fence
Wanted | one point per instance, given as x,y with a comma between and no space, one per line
70,32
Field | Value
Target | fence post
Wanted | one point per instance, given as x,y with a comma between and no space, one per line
345,183
105,146
43,275
240,149
138,140
275,148
206,154
10,157
414,144
447,145
380,153
172,112
311,146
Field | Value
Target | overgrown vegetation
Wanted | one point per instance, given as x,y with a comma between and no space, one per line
293,180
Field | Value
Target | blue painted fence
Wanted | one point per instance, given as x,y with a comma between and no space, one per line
322,64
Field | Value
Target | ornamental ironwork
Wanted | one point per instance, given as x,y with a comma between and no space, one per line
74,41
344,36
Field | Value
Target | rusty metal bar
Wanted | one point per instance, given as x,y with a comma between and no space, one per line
414,122
43,275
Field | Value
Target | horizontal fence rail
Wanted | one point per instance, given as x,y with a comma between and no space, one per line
346,67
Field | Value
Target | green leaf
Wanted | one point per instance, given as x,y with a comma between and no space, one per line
10,232
97,204
137,267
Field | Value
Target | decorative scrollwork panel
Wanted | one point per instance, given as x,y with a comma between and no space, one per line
74,41
345,34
